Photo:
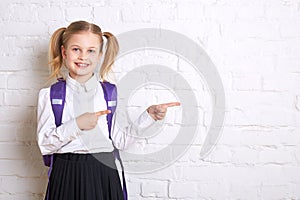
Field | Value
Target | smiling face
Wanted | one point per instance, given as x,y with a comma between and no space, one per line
81,55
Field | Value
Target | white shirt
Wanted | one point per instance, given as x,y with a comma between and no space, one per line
68,138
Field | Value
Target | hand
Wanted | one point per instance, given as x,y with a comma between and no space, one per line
88,121
158,112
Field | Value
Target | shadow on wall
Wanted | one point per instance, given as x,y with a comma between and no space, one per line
24,174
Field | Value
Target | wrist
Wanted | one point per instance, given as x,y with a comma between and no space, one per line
151,113
77,120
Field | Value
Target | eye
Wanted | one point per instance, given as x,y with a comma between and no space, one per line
92,51
75,49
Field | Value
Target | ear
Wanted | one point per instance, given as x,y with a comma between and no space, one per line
63,52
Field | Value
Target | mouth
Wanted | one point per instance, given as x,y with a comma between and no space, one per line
82,65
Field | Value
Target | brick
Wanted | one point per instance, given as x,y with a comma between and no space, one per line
274,81
26,132
245,100
220,154
281,12
27,80
273,175
284,48
56,14
8,45
277,117
154,188
8,133
16,185
79,13
191,154
260,29
289,31
23,132
276,156
186,12
131,15
244,155
234,174
183,190
170,171
223,13
165,135
134,188
293,191
5,13
23,12
15,151
37,45
23,168
17,115
13,63
247,83
239,65
253,12
291,173
29,29
274,191
24,98
287,63
208,190
164,11
105,21
259,136
244,191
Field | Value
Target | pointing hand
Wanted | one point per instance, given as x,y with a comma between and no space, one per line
158,112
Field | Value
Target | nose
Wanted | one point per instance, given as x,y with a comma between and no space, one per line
82,56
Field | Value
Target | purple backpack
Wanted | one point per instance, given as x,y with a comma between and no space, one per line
57,96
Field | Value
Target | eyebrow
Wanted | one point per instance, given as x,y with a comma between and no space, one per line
75,45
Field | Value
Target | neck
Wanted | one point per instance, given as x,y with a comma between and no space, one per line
81,79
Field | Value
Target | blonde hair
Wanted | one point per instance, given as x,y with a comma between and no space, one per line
61,37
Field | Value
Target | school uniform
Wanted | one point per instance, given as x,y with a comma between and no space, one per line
84,167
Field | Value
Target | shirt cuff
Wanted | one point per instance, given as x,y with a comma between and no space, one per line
145,120
70,127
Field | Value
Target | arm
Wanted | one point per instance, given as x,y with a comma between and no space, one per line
51,138
123,138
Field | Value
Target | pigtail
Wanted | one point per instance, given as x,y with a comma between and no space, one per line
112,49
55,56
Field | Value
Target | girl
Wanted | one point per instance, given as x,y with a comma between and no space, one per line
80,144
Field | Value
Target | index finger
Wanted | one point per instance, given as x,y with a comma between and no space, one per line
171,104
103,112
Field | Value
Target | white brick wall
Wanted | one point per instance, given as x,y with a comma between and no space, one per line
255,45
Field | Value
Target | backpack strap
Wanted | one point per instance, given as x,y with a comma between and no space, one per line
57,98
110,95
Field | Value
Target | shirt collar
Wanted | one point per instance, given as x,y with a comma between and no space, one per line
89,85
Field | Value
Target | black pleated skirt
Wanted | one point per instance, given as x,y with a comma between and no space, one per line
84,177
